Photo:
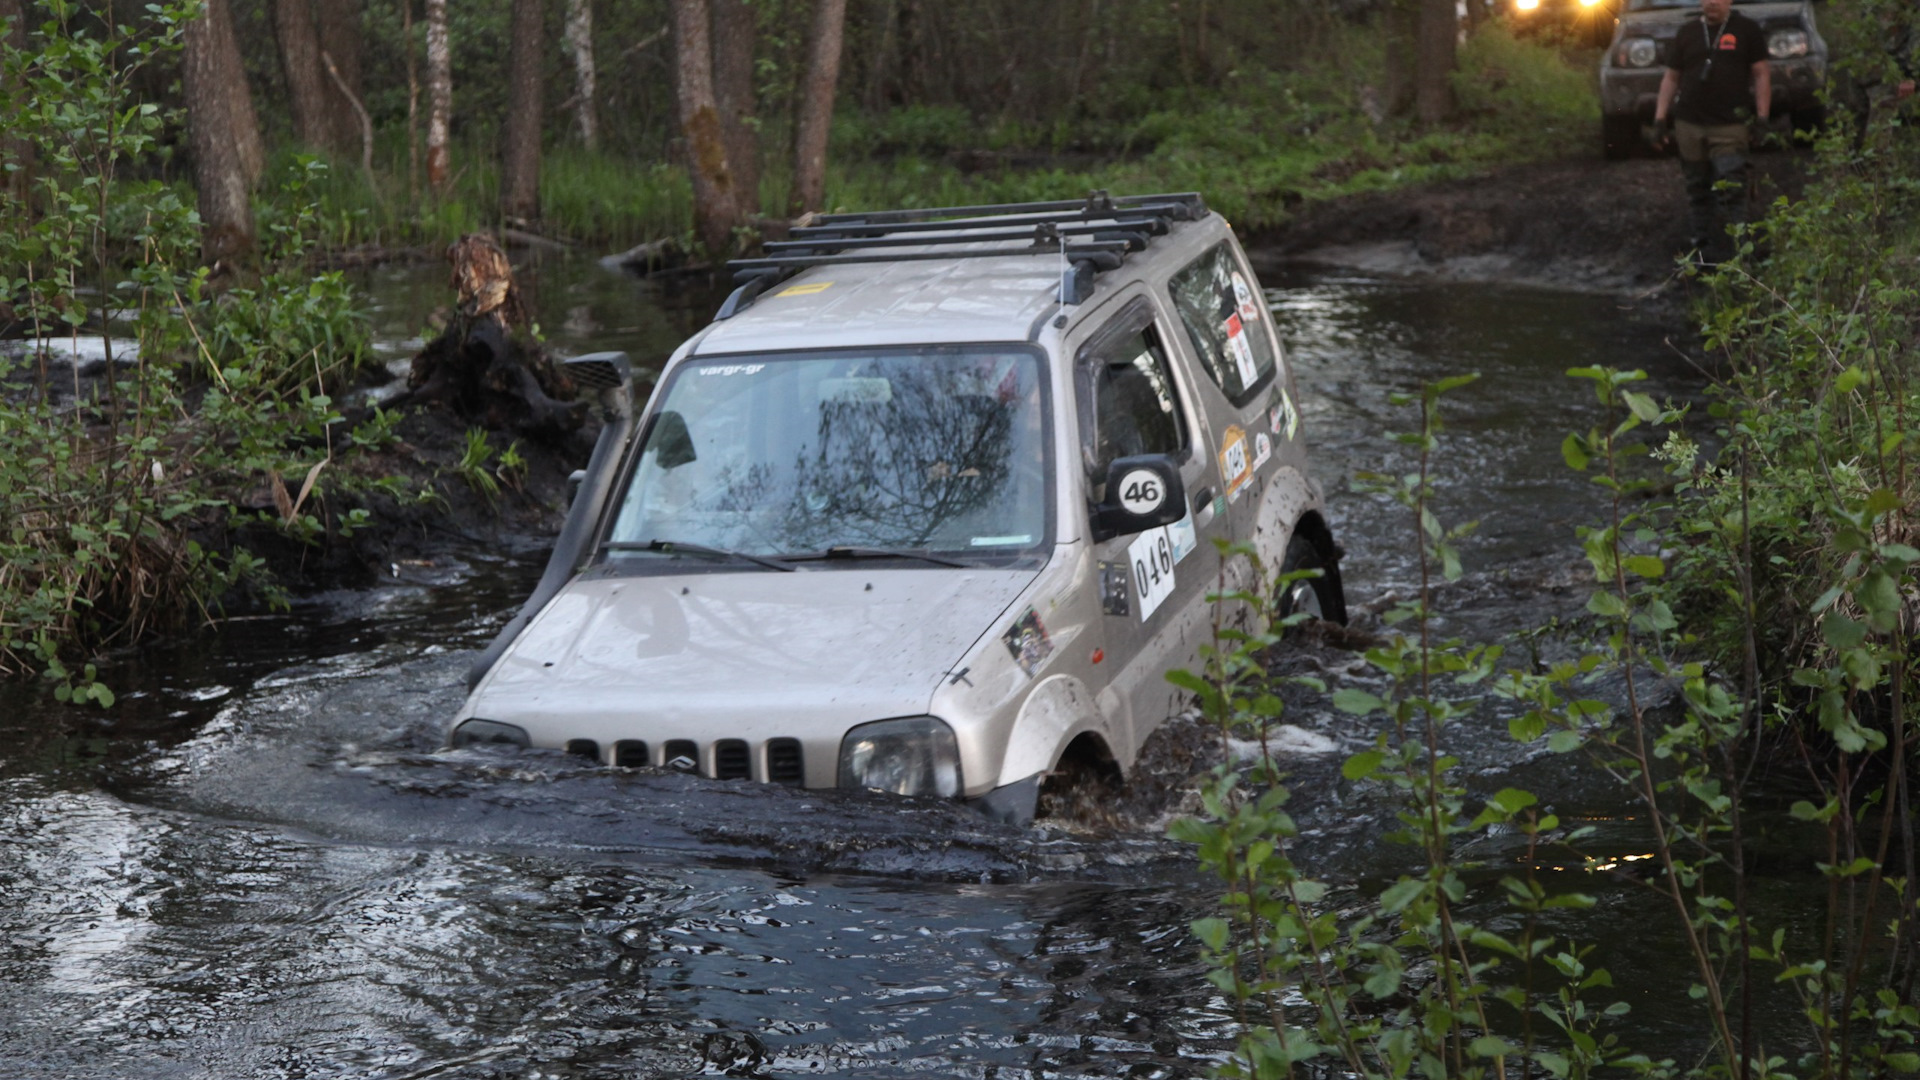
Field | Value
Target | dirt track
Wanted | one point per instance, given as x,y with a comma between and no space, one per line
1583,223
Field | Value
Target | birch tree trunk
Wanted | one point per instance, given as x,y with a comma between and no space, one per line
1398,26
733,40
815,106
300,64
520,142
243,124
341,39
207,70
580,46
439,94
716,208
1433,69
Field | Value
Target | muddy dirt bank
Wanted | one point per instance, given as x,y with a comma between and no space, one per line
1611,226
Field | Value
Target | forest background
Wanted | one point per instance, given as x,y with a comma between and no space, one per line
182,177
622,122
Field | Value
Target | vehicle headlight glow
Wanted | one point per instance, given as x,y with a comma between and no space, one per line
1782,44
1525,5
913,756
478,732
1639,52
1588,3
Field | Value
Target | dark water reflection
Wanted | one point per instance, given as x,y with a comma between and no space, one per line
260,863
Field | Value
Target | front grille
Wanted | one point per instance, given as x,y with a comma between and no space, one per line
732,760
630,754
682,755
585,748
784,765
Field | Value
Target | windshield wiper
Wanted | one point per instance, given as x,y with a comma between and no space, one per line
679,547
843,551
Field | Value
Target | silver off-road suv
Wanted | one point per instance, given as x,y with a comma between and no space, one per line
931,507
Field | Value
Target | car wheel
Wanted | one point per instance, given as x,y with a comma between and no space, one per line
1321,597
1619,136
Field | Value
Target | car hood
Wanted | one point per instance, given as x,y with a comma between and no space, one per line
691,650
1661,22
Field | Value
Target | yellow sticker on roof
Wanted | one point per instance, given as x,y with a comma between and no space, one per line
808,289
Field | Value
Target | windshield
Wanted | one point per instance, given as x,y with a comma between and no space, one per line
930,449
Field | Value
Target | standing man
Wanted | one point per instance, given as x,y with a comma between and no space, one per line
1716,77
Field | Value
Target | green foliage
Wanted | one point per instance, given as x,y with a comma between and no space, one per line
117,487
1398,982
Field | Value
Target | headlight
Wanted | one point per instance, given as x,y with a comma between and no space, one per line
914,756
478,732
1639,52
1524,6
1588,3
1782,44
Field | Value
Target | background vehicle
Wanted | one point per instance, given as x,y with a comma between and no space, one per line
930,508
1589,22
1631,69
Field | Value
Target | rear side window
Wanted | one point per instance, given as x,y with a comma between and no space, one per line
1223,316
1128,401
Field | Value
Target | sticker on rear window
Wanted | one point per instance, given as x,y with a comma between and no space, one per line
1242,351
1243,300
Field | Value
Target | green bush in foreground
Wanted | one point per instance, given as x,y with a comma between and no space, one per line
1761,614
118,489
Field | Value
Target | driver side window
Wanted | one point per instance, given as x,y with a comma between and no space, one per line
1129,403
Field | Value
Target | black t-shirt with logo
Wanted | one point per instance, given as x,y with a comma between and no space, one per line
1720,91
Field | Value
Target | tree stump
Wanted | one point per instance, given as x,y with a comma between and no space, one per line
484,366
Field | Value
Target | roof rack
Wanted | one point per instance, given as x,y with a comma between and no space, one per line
1111,227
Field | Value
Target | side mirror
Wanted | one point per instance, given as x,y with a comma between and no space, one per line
1143,492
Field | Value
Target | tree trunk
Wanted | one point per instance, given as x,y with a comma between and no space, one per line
207,70
815,120
242,123
520,142
340,38
733,40
300,63
439,94
580,46
1433,70
19,151
1397,24
716,207
483,365
413,103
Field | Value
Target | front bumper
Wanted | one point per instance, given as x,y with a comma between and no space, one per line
1635,91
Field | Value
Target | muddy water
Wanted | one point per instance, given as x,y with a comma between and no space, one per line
261,864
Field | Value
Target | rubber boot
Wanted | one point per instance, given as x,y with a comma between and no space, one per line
1700,204
1730,191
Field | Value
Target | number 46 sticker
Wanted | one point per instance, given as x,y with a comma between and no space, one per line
1151,556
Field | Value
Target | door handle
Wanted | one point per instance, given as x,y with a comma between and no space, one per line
1202,499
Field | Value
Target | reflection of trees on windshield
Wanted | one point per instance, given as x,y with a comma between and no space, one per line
898,472
940,450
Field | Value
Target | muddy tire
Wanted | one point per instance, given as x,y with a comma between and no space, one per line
1619,136
1322,597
